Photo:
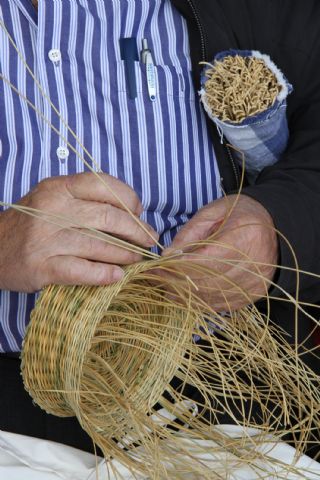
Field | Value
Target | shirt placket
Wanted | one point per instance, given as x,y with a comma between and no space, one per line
55,150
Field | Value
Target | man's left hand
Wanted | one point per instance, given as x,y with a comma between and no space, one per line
244,249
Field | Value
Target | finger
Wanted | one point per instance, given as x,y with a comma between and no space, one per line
114,221
67,270
220,292
208,255
77,243
215,257
87,186
200,227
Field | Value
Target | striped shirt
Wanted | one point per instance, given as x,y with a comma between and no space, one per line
161,148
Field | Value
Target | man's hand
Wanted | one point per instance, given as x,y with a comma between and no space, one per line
35,253
246,240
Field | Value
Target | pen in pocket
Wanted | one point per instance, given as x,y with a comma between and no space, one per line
147,59
129,54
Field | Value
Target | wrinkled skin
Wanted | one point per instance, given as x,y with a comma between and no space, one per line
35,253
248,238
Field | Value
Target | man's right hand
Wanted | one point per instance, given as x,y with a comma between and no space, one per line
35,253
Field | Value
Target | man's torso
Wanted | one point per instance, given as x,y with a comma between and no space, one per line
162,148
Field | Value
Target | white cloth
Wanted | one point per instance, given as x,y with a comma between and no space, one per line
25,458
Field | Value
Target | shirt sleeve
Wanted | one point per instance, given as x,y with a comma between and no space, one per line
290,190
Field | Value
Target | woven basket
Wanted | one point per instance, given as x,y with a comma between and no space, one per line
106,378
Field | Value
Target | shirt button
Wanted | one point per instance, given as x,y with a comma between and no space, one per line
62,153
54,55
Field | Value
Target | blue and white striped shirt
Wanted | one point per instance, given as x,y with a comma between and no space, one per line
160,148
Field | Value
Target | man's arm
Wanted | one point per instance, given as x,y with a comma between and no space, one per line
289,31
290,190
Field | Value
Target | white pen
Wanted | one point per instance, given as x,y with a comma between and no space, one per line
146,58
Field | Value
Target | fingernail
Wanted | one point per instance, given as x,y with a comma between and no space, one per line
171,252
155,237
117,274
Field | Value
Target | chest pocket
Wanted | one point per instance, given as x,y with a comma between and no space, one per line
169,81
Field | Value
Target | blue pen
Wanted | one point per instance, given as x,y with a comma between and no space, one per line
129,54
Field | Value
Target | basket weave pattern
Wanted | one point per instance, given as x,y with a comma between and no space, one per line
88,353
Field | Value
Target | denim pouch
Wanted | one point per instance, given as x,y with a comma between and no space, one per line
263,136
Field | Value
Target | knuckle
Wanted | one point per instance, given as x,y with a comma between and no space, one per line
99,274
74,274
104,276
128,257
63,273
107,217
46,274
52,271
91,247
43,183
104,176
133,201
139,234
136,204
100,179
47,183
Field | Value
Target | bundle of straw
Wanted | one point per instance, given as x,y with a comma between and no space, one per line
238,87
245,94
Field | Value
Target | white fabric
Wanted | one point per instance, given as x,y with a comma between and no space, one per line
25,458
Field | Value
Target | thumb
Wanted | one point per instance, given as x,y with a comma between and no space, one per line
200,227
